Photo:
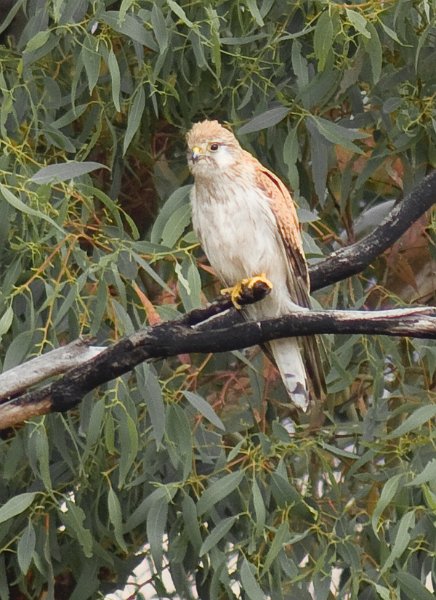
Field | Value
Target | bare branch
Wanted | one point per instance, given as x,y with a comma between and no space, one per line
355,258
172,338
15,381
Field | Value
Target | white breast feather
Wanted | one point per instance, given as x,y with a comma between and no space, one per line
238,232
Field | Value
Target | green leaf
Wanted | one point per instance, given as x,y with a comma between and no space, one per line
74,519
218,490
259,507
402,540
336,134
114,71
217,534
215,40
152,393
412,587
41,449
291,151
359,22
129,442
281,537
191,522
383,592
375,52
135,116
388,492
176,225
178,198
19,205
6,320
427,474
115,517
299,64
37,41
26,547
160,28
178,10
416,419
249,584
204,408
165,493
323,39
7,19
91,59
178,433
269,118
156,525
131,27
65,171
16,505
254,10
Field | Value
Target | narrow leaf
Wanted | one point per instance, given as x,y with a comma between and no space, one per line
217,534
269,118
280,538
65,171
337,134
323,39
427,474
358,21
16,505
114,71
26,548
218,490
388,492
178,10
19,205
416,419
135,116
249,584
402,540
205,408
74,521
259,507
6,320
254,10
156,524
115,517
412,587
160,29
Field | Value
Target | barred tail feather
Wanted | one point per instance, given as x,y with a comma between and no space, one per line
287,356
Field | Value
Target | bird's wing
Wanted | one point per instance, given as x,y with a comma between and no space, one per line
288,229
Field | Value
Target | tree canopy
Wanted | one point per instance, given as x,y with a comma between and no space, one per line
195,464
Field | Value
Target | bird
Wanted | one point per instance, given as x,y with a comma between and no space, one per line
247,225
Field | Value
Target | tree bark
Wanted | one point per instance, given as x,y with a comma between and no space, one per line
179,337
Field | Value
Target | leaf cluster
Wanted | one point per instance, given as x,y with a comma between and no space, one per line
193,466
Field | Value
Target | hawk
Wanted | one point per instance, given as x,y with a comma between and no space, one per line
248,227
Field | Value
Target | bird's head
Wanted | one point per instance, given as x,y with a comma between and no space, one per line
212,149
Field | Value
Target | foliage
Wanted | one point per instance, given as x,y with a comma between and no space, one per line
339,100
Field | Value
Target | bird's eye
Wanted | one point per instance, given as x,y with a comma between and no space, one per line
214,147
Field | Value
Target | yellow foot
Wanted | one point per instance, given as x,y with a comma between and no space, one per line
249,290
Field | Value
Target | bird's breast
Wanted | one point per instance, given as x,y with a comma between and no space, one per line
237,228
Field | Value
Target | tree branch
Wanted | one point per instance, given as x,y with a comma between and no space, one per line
355,258
192,333
172,338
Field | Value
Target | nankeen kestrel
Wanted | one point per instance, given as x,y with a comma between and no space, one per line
247,224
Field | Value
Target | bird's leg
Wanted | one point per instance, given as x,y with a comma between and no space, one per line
249,290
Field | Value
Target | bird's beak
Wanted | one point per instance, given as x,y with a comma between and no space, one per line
196,153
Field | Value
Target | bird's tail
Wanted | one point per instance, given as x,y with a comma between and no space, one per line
287,356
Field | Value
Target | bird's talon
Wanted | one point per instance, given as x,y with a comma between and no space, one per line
246,290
